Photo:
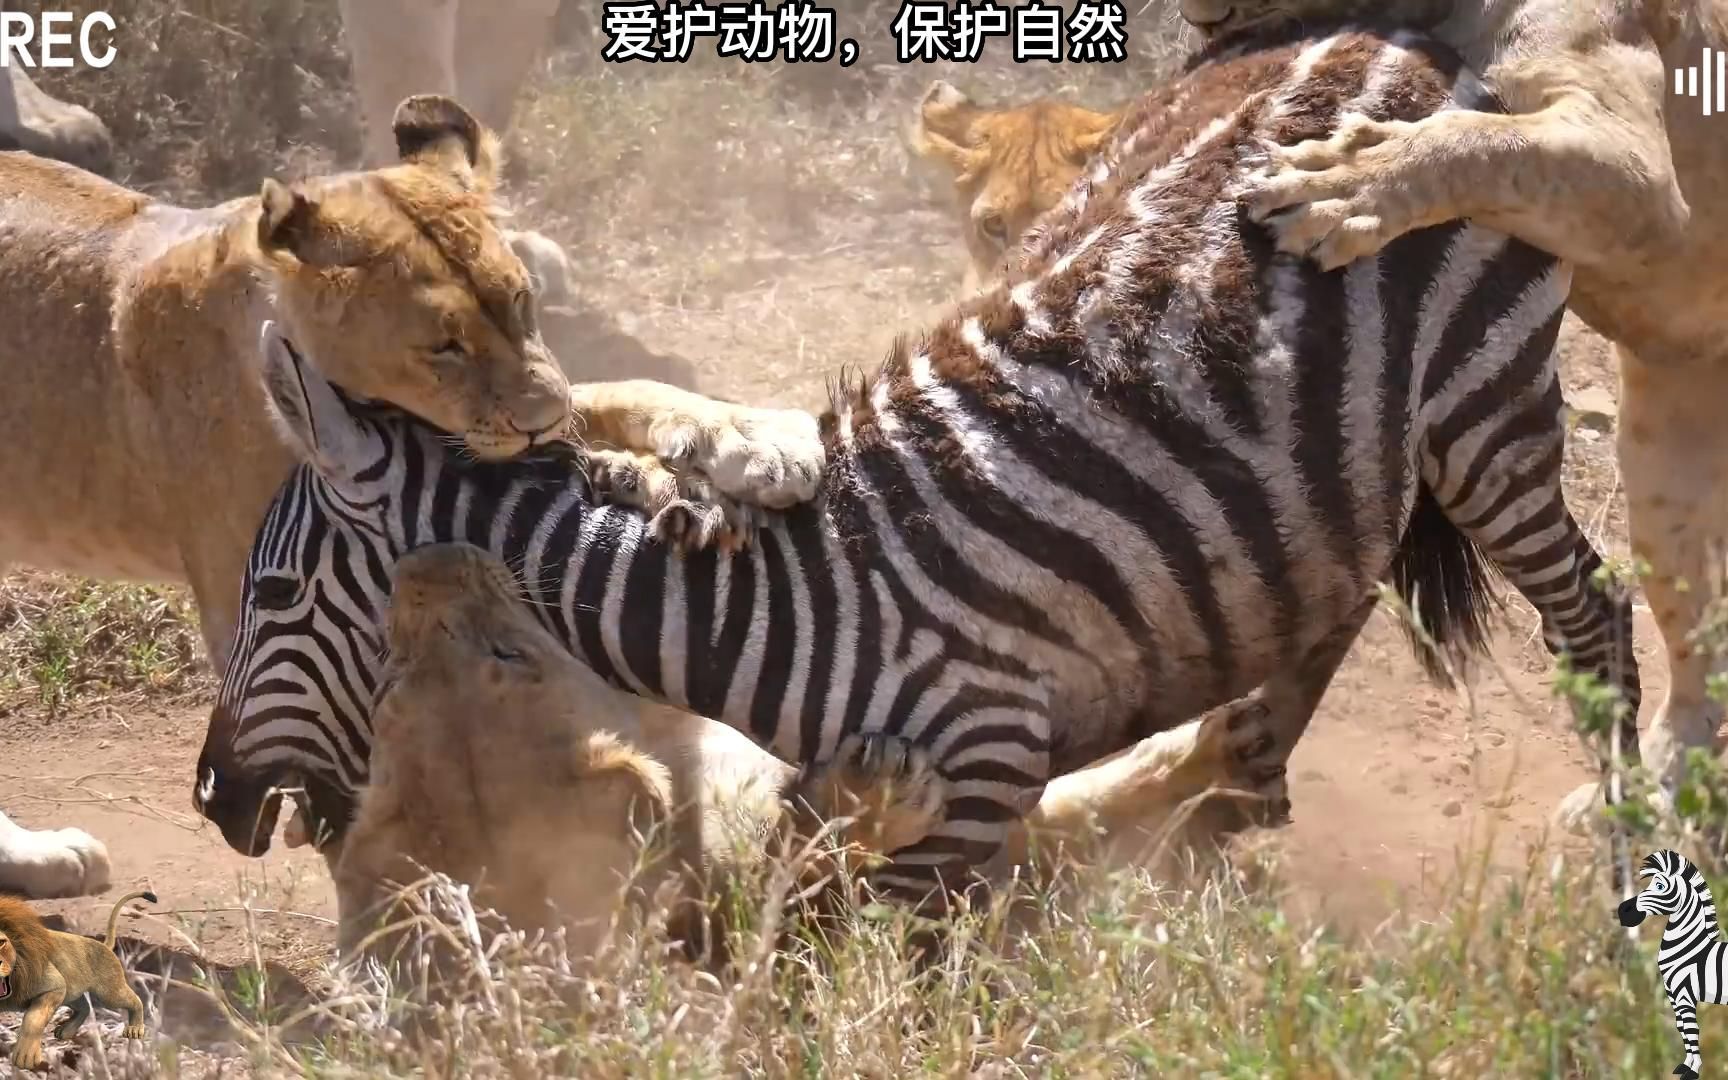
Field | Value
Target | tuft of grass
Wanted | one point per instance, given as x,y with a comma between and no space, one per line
66,640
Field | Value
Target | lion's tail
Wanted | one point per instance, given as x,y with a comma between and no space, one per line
114,916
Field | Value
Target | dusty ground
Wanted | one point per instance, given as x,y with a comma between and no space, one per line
1396,782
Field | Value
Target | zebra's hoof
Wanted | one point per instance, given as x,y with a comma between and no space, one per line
1685,1071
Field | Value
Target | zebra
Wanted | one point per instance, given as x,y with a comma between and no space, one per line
1157,469
1693,957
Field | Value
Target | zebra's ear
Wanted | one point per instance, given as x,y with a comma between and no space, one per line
310,414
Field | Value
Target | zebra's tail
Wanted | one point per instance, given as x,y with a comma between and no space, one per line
1447,583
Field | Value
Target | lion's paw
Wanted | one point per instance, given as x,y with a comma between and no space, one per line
888,785
133,1031
766,457
685,509
1253,761
1335,199
46,864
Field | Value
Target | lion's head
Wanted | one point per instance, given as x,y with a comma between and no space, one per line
400,286
1009,165
24,947
497,756
1216,18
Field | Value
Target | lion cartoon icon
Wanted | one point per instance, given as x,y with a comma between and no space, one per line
42,969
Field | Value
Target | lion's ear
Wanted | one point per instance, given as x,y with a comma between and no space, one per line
286,217
1099,128
943,128
435,131
291,220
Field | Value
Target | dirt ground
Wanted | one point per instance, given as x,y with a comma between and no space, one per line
1396,782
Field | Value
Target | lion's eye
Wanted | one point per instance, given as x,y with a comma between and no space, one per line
275,592
993,228
507,654
451,349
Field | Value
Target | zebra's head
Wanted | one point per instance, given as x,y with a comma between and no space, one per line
1673,884
293,703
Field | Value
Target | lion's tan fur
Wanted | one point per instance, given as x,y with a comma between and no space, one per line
45,969
1597,164
1007,165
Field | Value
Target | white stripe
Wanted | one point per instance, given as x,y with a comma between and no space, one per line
788,734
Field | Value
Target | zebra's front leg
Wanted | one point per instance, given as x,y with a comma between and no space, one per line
1686,1022
994,764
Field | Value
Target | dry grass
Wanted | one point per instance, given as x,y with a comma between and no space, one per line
1103,974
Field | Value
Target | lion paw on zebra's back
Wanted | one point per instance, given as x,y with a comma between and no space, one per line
685,508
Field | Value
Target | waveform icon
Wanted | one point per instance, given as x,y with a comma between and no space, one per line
1715,91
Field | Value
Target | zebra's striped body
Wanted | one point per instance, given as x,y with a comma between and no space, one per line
1692,959
1157,469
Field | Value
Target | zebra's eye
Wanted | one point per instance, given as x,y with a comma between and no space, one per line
275,592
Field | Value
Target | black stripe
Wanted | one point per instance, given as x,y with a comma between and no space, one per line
547,588
778,645
804,526
586,610
642,611
714,666
705,684
1321,368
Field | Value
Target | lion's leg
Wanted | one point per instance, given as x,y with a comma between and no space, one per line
122,997
1592,186
27,1053
496,43
79,1010
1673,450
42,864
766,457
396,48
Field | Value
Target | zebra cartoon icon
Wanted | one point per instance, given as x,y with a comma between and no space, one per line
1693,957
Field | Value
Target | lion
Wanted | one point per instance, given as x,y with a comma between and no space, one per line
1595,165
33,119
141,448
1008,165
42,969
479,52
547,807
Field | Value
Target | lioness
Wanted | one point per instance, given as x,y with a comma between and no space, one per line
140,446
544,805
1008,165
1597,167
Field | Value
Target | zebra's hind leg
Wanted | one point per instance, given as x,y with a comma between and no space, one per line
1500,485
